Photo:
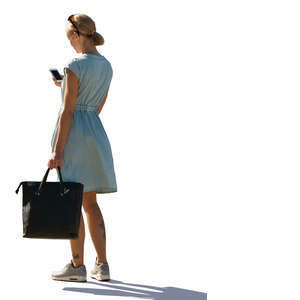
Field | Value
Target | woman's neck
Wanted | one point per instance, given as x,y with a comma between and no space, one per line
90,51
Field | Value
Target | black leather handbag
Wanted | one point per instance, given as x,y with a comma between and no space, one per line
51,210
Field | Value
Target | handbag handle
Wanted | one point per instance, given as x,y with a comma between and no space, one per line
64,189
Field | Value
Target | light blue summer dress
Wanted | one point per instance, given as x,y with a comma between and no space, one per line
87,155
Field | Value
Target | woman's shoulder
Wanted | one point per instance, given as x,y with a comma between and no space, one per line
74,60
82,63
85,57
74,66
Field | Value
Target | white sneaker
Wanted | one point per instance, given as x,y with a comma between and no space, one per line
100,271
70,273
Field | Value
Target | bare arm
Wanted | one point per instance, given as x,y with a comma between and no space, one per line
65,119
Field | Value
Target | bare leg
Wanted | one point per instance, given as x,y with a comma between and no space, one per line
77,245
95,224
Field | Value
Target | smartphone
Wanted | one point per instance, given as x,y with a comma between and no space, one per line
56,75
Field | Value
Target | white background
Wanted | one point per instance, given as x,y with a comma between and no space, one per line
203,120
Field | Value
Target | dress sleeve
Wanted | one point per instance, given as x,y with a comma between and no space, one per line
74,67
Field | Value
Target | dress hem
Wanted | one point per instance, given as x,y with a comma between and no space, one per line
100,190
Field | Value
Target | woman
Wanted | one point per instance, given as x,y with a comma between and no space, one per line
79,142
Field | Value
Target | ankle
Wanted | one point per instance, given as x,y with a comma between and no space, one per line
99,261
76,265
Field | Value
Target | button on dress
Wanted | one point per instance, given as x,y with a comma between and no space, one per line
87,155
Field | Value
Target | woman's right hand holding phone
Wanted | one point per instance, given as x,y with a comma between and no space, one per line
57,83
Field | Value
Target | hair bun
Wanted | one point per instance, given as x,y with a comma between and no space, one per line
87,27
98,38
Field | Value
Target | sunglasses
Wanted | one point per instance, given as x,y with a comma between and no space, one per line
70,20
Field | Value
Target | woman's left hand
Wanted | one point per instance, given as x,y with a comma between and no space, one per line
55,160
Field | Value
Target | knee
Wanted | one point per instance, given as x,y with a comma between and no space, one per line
89,202
90,207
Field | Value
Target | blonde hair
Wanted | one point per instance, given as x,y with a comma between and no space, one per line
86,27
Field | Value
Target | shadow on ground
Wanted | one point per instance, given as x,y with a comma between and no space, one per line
125,289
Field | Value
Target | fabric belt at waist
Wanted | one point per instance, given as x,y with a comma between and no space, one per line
86,107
